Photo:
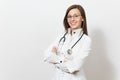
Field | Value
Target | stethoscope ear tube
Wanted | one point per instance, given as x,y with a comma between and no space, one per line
63,37
77,40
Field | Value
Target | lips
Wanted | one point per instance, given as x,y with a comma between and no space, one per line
73,23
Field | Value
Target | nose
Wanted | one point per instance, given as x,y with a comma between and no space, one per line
72,18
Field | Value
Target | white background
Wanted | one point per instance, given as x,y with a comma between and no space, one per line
28,27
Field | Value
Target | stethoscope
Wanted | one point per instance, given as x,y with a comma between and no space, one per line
69,51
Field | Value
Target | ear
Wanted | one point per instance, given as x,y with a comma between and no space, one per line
82,19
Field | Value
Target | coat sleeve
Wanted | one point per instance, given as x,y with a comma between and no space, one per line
51,57
76,63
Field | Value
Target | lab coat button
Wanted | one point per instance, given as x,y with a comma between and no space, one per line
60,61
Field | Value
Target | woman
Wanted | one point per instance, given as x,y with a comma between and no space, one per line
69,51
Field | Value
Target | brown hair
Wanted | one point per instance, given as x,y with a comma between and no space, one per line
84,23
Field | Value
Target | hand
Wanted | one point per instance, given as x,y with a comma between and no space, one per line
54,62
54,49
66,59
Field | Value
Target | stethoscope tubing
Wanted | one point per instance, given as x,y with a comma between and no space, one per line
64,38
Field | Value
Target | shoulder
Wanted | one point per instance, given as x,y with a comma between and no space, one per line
87,42
87,38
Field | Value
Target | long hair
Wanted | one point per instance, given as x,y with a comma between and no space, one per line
84,23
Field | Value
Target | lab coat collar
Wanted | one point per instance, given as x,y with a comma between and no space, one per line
76,31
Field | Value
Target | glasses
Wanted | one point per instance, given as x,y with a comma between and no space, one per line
74,16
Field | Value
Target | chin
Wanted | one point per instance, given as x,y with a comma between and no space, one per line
73,27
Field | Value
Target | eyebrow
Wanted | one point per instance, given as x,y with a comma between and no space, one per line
73,14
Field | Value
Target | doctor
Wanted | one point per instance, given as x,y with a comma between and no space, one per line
70,49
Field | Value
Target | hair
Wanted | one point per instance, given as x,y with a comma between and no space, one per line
84,23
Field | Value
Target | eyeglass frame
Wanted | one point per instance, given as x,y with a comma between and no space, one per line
74,16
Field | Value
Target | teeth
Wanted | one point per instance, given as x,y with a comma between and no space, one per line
73,23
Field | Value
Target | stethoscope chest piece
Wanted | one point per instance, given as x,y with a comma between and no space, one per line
69,51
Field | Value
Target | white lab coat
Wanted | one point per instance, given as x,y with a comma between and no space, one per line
72,69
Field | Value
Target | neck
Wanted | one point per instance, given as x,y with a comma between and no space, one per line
72,29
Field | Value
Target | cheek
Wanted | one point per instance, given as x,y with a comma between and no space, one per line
80,21
68,21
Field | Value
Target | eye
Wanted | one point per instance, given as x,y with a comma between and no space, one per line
69,16
76,15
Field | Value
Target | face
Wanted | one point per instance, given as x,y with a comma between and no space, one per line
74,19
